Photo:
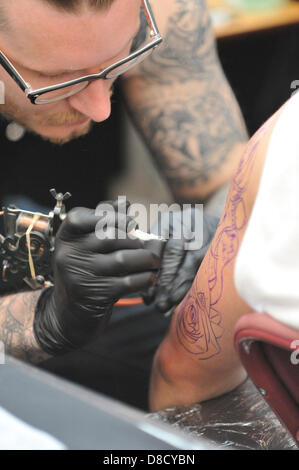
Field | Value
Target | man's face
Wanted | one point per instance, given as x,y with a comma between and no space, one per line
48,46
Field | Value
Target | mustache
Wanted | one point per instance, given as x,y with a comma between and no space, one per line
69,117
66,117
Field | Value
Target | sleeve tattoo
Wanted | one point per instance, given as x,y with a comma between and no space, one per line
182,103
16,332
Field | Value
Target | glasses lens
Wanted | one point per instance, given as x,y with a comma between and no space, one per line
128,65
61,94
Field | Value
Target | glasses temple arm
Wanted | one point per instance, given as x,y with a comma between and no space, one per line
7,65
149,16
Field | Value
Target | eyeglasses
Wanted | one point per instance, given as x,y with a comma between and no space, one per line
58,92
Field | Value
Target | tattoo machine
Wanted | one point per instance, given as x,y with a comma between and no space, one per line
27,244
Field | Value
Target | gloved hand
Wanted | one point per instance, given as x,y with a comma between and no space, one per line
179,263
90,275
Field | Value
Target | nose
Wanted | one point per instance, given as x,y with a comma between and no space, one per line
94,101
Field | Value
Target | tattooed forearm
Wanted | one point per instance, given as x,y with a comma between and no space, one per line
16,321
181,102
193,137
189,45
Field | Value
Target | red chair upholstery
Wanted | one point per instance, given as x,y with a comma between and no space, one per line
267,350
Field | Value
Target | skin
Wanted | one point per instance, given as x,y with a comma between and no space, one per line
197,360
179,99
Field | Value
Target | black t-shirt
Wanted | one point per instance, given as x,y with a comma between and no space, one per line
85,166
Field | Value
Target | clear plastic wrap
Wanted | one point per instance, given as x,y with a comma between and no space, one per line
237,420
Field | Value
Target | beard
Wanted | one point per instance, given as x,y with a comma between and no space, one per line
64,140
11,112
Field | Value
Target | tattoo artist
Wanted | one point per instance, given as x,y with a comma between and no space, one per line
179,100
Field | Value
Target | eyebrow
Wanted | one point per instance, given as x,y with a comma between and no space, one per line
65,72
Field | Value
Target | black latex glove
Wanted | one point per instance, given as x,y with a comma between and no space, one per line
90,275
179,264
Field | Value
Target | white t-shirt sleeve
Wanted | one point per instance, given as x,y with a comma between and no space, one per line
267,265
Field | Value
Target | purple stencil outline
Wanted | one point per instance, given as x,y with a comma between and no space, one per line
198,324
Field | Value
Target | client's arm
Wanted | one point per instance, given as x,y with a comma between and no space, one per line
197,361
